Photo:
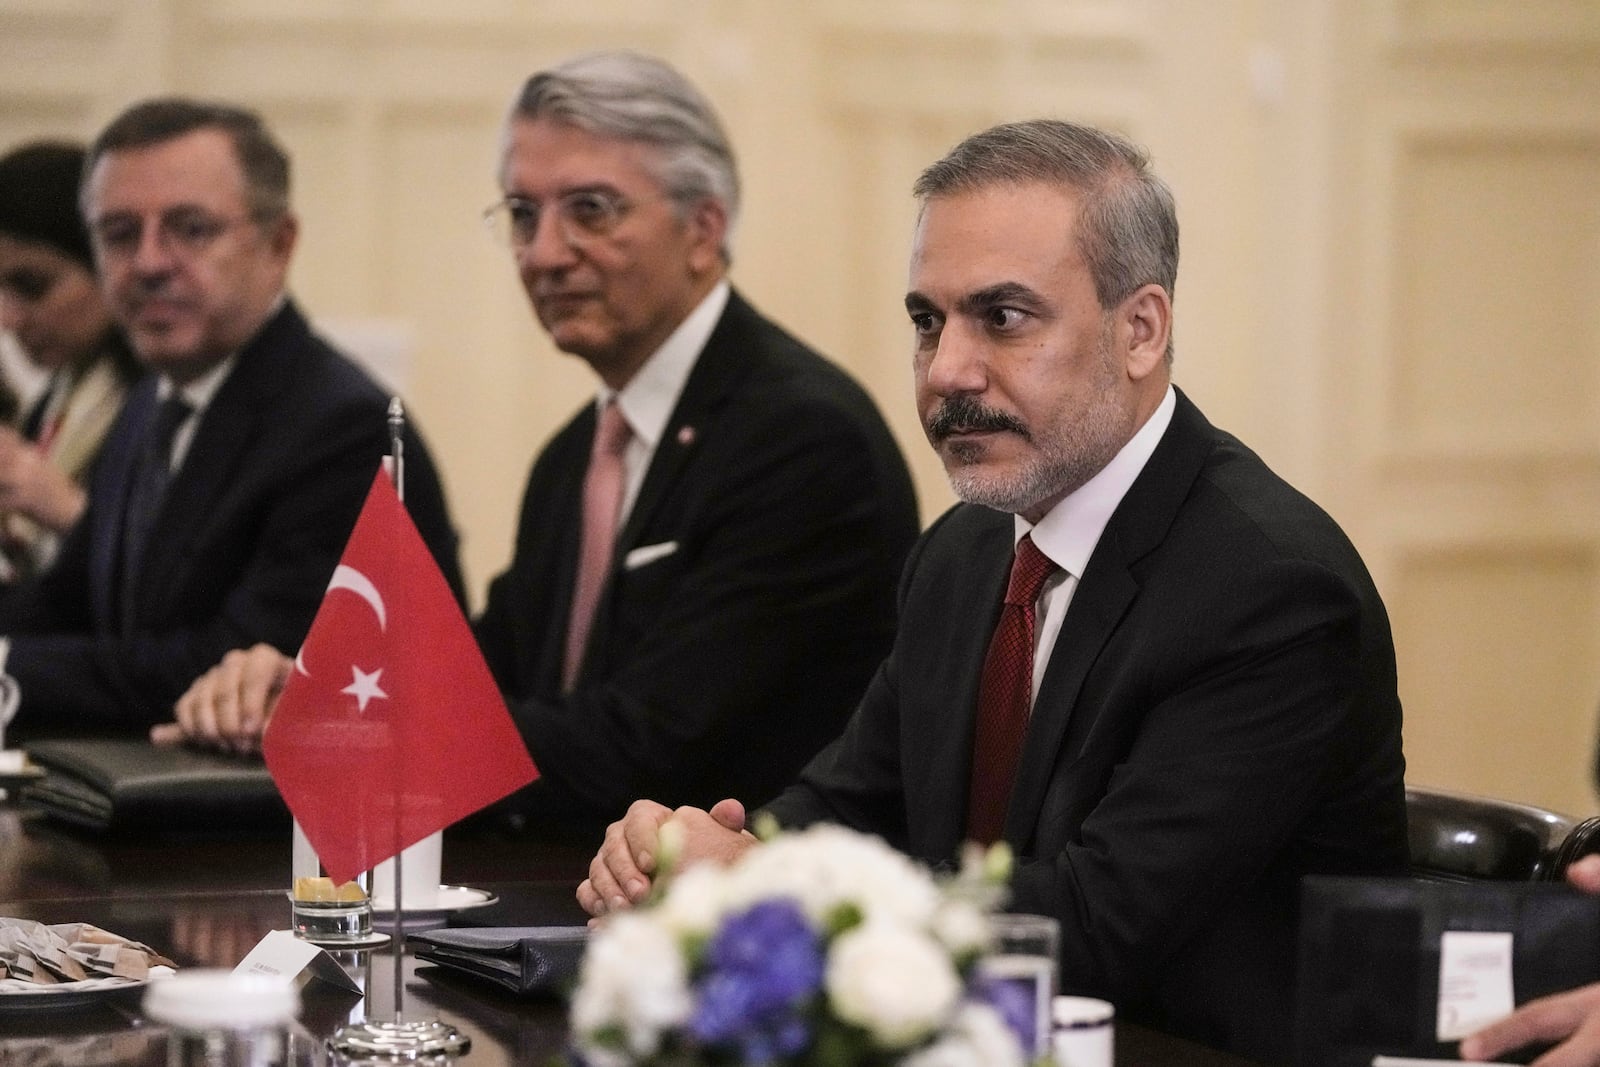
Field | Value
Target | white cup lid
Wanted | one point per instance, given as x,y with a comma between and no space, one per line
205,998
1069,1012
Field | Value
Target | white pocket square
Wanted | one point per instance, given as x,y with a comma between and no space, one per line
648,554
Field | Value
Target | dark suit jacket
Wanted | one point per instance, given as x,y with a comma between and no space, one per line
1218,718
251,528
718,668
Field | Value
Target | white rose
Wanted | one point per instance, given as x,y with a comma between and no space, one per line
827,866
632,977
692,906
895,983
977,1037
961,928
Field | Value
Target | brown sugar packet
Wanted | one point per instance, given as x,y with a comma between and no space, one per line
71,952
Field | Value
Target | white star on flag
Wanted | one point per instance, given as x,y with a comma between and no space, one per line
364,686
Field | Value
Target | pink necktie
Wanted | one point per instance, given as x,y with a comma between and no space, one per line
602,500
1005,698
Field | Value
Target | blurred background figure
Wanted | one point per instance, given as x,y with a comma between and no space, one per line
51,304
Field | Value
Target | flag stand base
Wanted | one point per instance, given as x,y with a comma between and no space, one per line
398,1039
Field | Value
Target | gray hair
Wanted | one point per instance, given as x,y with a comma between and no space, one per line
1128,232
262,160
635,97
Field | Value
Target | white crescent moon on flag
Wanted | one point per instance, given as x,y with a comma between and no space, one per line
347,577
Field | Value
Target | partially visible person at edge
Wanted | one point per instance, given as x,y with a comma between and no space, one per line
1570,1021
233,475
1187,700
51,304
764,510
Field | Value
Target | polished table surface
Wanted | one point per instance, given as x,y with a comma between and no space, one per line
207,902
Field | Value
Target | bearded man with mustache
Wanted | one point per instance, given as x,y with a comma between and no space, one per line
1156,671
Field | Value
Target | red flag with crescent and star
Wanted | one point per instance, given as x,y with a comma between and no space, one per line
390,726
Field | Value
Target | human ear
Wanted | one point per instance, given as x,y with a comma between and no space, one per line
283,236
1146,316
708,228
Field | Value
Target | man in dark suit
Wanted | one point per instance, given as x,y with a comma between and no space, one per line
234,474
745,542
1183,698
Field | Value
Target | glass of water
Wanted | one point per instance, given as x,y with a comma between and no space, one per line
1022,954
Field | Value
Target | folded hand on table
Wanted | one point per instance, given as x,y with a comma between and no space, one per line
228,706
621,872
1572,1019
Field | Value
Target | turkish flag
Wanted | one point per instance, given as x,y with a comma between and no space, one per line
390,727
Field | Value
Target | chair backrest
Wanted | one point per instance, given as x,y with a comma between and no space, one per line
1463,838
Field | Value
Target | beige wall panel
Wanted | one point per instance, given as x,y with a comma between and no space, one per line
1498,670
33,119
487,387
55,51
469,15
887,152
1485,25
1496,330
332,258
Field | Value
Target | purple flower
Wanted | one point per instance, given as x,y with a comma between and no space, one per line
762,969
1014,1001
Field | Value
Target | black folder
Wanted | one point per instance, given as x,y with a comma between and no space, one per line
130,784
523,959
1369,958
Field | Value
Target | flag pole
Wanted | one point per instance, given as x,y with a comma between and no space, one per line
399,1040
397,472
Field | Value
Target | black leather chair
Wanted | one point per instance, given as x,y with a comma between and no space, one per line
1458,837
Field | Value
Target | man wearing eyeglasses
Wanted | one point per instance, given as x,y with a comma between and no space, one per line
231,480
705,568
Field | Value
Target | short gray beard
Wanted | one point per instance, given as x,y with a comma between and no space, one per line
1065,458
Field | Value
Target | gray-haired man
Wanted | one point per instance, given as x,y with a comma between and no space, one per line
740,505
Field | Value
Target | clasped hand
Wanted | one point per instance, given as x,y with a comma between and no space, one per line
621,873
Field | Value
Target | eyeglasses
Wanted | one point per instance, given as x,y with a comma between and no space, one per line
582,216
180,232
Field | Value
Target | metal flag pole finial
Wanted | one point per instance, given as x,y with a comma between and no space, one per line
397,446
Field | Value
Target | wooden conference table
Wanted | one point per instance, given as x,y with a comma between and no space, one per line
208,902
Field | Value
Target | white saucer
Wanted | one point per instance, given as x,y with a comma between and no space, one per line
446,899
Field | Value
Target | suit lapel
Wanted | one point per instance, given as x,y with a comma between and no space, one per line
112,485
226,432
1059,730
720,366
717,370
975,595
1098,604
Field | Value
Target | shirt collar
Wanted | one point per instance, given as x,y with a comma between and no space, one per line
199,392
1070,530
651,394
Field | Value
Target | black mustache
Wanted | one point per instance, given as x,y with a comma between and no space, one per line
964,414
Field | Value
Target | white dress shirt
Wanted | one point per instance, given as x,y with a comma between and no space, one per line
649,397
198,394
1069,531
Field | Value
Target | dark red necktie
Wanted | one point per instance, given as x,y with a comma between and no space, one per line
1005,698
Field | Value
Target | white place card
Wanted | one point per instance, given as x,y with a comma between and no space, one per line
282,953
1474,981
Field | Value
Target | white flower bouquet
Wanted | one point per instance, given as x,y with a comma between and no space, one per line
822,947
